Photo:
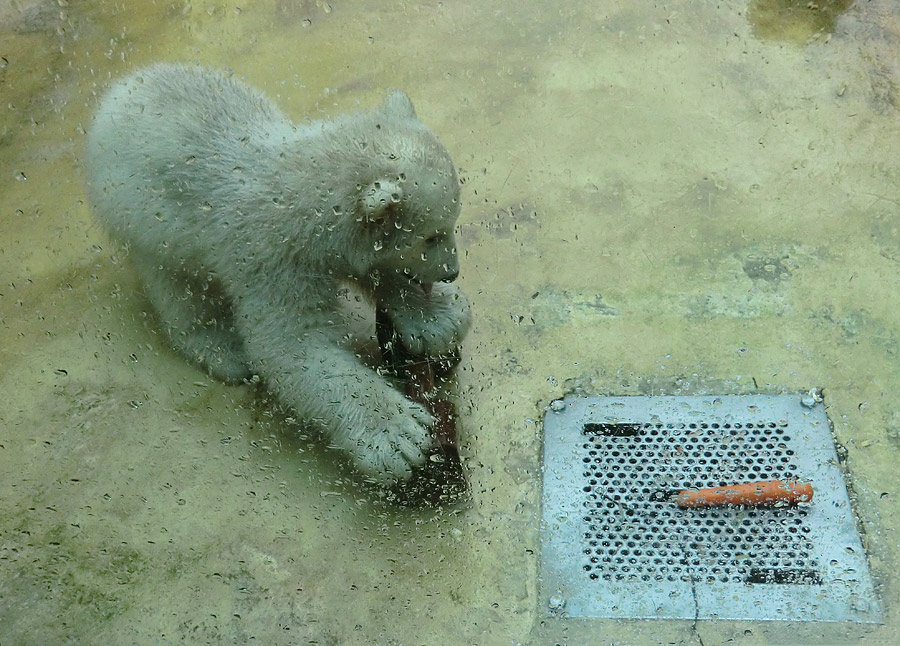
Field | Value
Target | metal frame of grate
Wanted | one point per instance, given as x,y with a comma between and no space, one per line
613,546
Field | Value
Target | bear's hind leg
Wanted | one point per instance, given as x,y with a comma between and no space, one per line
197,318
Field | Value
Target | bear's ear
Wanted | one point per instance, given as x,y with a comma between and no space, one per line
398,104
380,199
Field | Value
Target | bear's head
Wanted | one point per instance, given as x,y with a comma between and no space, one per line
408,200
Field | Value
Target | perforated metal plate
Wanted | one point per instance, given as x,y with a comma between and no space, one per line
612,547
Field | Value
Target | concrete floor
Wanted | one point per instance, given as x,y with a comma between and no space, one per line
695,198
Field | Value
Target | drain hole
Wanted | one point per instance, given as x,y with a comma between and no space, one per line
783,576
613,430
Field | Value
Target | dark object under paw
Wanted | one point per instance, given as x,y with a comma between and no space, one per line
441,481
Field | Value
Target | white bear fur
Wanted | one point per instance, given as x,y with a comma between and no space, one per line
244,227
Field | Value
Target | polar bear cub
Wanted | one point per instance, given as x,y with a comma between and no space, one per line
245,228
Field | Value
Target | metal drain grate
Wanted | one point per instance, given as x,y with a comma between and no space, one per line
614,546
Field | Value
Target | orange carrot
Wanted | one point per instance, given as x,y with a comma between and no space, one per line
753,494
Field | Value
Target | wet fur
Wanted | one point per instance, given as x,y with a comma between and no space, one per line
245,226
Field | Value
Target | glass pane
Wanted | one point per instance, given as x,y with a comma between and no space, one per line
288,286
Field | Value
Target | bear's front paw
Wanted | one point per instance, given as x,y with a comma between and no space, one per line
434,324
393,437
